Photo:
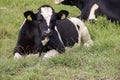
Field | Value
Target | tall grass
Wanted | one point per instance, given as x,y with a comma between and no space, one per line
100,62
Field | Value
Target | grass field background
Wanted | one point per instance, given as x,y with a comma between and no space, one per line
100,62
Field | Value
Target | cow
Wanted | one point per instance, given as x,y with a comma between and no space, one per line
91,9
55,32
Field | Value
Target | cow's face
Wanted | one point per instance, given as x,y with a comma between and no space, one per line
45,18
58,1
42,21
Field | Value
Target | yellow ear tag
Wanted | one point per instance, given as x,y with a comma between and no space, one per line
29,18
63,16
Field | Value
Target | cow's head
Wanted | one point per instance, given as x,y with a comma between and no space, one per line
46,19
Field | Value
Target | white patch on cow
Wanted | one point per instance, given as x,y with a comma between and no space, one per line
46,12
83,32
86,39
45,40
50,54
59,35
58,1
92,12
22,24
17,56
48,30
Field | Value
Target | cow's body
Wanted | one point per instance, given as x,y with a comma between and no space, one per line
92,8
44,31
67,33
28,39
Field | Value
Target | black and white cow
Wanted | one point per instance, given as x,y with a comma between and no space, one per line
54,33
35,28
92,8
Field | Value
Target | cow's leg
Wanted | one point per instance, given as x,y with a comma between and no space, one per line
18,52
92,15
50,54
38,46
83,32
86,39
17,55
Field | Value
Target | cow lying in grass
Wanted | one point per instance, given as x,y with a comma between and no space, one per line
47,31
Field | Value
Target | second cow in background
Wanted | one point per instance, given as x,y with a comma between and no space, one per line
90,9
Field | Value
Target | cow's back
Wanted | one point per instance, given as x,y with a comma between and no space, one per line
110,9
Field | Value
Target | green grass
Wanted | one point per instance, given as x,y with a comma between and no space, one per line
100,62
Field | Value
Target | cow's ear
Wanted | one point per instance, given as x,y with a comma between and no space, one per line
29,15
62,14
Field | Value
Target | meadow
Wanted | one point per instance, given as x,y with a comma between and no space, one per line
99,62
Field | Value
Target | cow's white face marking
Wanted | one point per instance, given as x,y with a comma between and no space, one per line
92,12
17,56
58,1
46,12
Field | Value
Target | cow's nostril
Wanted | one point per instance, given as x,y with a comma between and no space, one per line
46,33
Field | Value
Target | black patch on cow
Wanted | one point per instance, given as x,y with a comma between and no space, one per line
111,9
29,39
67,31
78,27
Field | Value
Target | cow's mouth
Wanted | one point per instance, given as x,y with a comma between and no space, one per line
45,40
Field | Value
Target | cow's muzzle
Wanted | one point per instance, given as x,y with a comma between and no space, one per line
47,33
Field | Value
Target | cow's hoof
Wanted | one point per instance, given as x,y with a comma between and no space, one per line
17,56
88,44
